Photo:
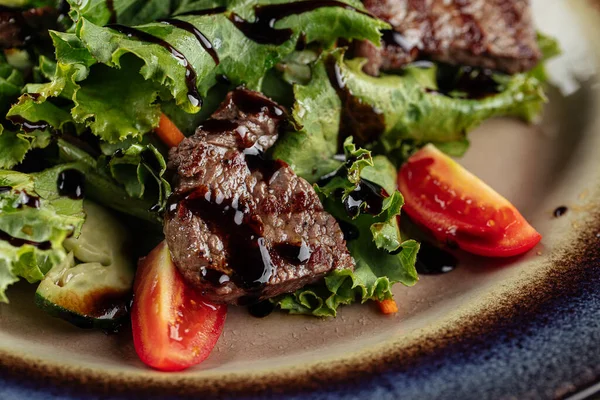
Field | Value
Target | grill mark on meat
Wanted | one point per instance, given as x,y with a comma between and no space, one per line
494,34
241,227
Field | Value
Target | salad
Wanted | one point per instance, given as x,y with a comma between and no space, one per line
163,160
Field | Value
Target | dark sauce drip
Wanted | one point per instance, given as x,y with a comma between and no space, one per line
263,31
350,231
29,126
190,76
17,242
301,44
262,309
34,96
203,40
560,211
149,158
294,253
210,11
155,208
25,199
119,153
248,257
221,78
63,9
5,189
215,277
391,37
432,260
70,183
424,64
396,252
218,125
358,119
250,103
475,83
111,9
367,197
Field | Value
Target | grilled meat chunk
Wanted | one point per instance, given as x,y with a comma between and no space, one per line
494,34
242,228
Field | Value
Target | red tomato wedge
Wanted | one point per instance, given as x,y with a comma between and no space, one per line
458,207
173,326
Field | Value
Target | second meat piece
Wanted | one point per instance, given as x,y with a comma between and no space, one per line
242,228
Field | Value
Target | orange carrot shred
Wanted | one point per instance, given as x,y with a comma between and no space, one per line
168,132
388,306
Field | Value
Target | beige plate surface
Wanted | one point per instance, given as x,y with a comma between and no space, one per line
536,167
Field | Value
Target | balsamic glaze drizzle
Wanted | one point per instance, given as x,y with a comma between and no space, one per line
392,37
262,29
368,197
431,260
208,11
350,231
25,199
29,126
70,183
262,309
113,14
191,77
248,256
358,119
560,211
18,242
203,40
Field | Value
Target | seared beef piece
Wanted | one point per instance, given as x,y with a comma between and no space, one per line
241,228
18,27
495,34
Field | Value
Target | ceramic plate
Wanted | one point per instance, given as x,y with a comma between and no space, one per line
528,327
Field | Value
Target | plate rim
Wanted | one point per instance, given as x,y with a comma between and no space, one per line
321,377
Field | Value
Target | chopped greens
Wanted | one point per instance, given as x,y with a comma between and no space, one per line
92,104
382,257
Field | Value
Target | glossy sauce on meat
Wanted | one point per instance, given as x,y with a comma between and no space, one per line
262,29
70,184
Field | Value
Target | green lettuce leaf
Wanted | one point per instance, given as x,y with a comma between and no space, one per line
125,104
140,169
128,12
104,189
11,84
317,110
413,111
116,81
382,257
31,235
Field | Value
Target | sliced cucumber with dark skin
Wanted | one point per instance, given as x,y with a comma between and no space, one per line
92,288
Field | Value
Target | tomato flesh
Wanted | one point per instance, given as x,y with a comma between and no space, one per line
173,326
458,207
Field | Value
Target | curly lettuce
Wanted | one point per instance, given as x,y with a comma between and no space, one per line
382,257
34,222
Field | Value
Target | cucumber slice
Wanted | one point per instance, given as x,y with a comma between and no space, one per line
92,288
